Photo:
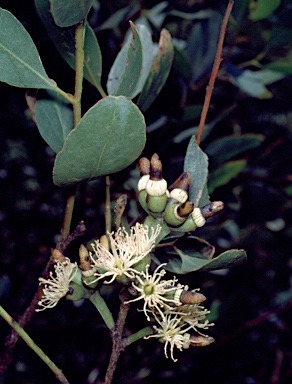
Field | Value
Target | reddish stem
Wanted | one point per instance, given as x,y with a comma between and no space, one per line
215,69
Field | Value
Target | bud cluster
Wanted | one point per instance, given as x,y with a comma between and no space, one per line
171,204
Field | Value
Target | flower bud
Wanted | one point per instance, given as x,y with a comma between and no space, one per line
191,297
86,267
194,220
142,196
179,189
212,208
156,185
200,340
85,262
156,204
144,167
57,255
182,296
176,214
104,241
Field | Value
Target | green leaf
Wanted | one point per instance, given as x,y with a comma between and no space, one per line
67,13
126,71
159,71
228,259
191,263
54,119
225,173
196,162
109,137
148,53
64,41
231,146
20,64
195,248
261,9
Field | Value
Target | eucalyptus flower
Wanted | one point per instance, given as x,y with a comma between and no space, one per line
173,333
155,291
193,315
57,286
126,250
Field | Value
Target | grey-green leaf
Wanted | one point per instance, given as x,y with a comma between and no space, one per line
196,162
148,55
54,118
67,13
64,41
109,137
159,71
187,264
125,74
228,259
20,64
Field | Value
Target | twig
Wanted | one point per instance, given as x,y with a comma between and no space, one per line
79,44
107,209
21,333
116,335
216,65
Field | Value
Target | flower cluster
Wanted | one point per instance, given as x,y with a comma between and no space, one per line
174,308
125,257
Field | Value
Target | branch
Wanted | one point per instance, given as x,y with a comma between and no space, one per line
215,69
116,335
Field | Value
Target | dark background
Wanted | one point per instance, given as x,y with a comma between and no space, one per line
251,304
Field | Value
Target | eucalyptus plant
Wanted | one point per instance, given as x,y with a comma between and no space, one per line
144,259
